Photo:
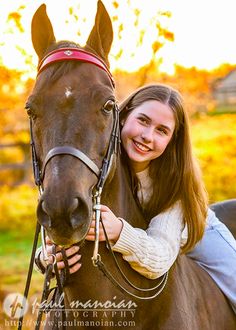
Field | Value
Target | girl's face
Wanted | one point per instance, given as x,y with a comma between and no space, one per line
146,133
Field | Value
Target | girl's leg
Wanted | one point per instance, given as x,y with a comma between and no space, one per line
216,253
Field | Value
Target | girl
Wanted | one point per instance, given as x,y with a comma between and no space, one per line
168,186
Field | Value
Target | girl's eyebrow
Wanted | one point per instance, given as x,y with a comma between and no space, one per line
160,125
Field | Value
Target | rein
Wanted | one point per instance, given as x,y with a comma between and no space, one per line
64,54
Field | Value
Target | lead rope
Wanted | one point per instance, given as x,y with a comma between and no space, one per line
36,172
46,292
30,271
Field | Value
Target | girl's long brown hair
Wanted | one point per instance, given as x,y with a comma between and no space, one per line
175,174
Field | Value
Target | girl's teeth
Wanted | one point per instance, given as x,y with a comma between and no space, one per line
140,146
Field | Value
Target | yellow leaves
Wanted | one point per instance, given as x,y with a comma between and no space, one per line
168,35
137,14
165,13
120,30
156,46
119,54
115,4
214,140
16,18
165,33
71,10
141,37
114,18
17,207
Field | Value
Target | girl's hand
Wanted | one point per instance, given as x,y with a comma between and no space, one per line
112,224
72,256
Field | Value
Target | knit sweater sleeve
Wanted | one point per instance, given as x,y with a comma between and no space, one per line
153,252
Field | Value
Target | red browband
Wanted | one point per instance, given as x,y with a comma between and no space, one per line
65,54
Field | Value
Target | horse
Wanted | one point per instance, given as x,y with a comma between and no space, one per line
72,109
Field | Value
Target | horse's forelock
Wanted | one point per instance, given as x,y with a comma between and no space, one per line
62,44
61,68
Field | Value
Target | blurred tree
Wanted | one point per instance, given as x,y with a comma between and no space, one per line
15,17
14,134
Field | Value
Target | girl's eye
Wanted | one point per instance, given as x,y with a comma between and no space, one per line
143,120
162,131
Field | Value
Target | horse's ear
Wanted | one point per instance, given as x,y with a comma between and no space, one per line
101,36
41,31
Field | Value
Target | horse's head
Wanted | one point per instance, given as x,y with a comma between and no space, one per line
71,110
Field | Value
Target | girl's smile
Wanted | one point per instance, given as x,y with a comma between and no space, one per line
146,132
141,147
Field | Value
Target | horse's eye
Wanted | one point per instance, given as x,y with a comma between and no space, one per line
108,106
29,111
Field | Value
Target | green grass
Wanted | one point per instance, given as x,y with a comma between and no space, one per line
14,246
230,109
15,251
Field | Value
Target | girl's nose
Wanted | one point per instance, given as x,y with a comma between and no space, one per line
147,135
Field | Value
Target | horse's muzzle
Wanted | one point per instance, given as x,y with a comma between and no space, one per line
67,221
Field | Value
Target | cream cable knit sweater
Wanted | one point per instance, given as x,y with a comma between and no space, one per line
152,252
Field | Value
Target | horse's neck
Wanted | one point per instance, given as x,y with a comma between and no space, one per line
117,195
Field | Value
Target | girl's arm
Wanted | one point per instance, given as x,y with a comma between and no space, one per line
151,252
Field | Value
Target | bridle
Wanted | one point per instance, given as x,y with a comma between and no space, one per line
65,54
68,54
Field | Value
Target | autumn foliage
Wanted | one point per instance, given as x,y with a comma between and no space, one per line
210,133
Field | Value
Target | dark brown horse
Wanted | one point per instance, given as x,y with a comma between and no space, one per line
72,105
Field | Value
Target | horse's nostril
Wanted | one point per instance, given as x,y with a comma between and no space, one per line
42,215
43,205
74,205
79,214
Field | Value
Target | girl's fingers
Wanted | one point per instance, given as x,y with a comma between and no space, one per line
48,241
72,250
49,248
75,267
73,260
104,208
92,227
90,237
69,252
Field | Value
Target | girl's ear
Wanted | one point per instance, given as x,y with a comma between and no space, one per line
122,122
